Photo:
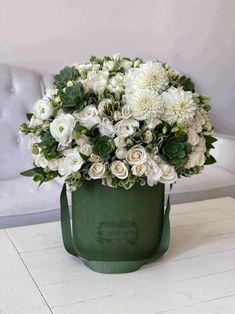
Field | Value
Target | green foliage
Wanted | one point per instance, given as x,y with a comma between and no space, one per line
175,150
210,160
73,98
24,128
40,175
79,130
65,75
110,108
103,146
186,83
181,171
29,116
49,146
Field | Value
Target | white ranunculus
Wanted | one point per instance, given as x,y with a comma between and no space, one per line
88,116
121,153
120,142
126,112
195,159
43,109
119,169
82,140
106,128
97,80
53,164
145,104
115,84
102,104
179,105
201,146
40,161
61,127
125,128
153,173
98,170
86,149
139,169
73,161
95,158
169,174
193,137
136,155
148,137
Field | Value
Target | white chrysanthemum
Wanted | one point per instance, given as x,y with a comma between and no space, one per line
150,75
145,104
178,105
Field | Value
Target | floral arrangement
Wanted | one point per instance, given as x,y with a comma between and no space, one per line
121,120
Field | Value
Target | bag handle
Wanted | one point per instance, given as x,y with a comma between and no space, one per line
68,237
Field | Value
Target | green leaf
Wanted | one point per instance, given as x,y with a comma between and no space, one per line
32,172
211,160
29,116
65,75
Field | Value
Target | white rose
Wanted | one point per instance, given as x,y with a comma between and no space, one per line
73,161
169,174
139,169
106,128
193,138
53,164
126,112
102,104
41,161
88,116
82,140
120,142
97,170
201,146
119,169
136,155
61,128
148,137
195,159
154,173
95,158
86,150
43,109
125,128
121,153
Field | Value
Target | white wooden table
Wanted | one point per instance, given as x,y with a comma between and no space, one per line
197,275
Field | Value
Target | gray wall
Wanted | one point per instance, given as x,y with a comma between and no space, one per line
196,36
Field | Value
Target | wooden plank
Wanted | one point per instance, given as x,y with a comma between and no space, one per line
144,298
18,292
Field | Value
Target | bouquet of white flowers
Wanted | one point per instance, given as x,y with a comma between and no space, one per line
121,120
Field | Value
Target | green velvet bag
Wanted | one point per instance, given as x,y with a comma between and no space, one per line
116,230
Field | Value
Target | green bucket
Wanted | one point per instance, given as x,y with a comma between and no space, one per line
116,230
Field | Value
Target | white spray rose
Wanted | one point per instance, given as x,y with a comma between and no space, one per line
154,173
98,170
120,142
117,116
193,137
82,140
53,164
126,112
41,161
195,159
86,149
88,116
119,169
148,137
121,153
95,158
152,123
106,128
139,169
61,128
43,109
169,174
136,155
126,64
73,161
125,128
116,84
108,65
97,80
201,146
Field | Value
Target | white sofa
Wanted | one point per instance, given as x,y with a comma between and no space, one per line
21,202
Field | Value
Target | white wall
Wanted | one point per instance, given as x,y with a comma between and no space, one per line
196,36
